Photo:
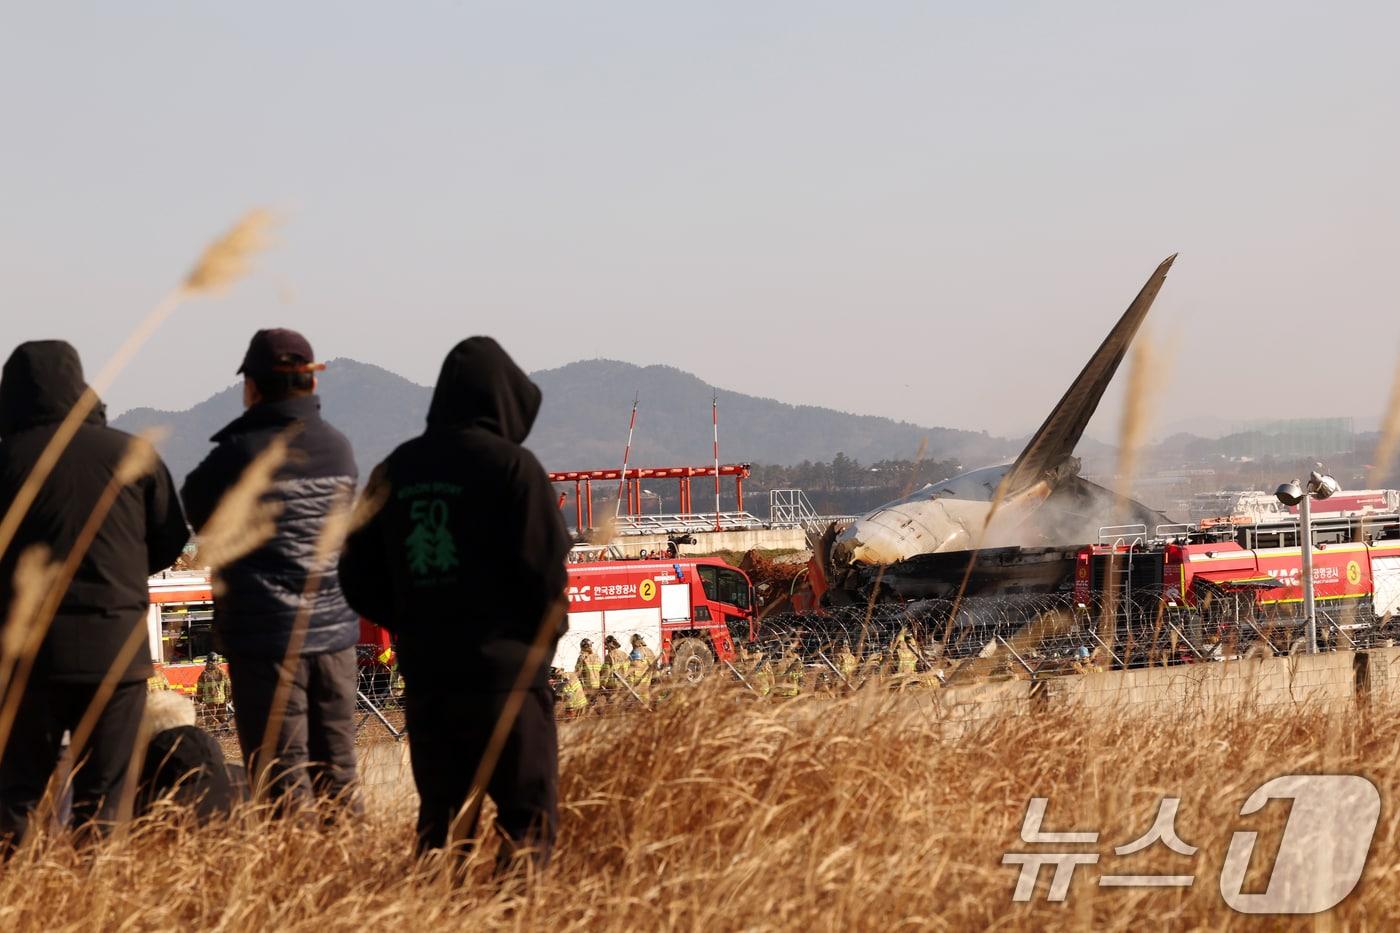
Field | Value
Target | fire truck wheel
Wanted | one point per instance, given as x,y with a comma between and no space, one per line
691,661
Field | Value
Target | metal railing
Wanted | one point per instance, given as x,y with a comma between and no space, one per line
1124,536
682,524
790,508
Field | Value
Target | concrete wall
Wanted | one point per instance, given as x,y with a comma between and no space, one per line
1337,680
1254,683
710,541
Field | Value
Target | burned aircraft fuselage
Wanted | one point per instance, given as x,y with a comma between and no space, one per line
992,572
1038,501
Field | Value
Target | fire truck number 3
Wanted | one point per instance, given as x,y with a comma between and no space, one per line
1291,576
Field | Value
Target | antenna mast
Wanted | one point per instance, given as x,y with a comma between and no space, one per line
626,456
714,418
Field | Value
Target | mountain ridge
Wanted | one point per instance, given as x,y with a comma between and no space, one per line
583,421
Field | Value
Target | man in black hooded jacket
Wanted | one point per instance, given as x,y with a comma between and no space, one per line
101,618
265,595
463,561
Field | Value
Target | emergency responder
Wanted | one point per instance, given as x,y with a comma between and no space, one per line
758,672
907,659
641,666
157,683
589,667
556,688
571,694
461,555
103,608
846,663
790,677
280,616
212,690
615,666
389,660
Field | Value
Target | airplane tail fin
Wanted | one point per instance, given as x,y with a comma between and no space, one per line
1053,444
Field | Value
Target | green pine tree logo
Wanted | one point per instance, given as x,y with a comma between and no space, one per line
430,546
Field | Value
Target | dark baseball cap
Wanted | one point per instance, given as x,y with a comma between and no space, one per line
278,350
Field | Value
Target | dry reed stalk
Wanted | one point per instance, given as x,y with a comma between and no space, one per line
33,581
880,574
138,460
469,816
135,641
997,499
606,532
1049,625
369,502
243,520
877,812
227,259
222,262
329,542
1144,375
1384,456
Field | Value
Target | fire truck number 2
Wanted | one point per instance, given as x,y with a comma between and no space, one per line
645,591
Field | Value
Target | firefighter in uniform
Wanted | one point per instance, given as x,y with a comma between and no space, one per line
846,663
642,662
390,660
211,690
575,700
790,681
759,672
906,659
904,653
589,667
614,666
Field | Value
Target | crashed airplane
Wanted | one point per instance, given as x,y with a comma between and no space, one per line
1014,515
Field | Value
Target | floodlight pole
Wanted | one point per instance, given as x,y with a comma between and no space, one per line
1305,541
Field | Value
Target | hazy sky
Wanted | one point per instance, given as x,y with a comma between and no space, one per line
931,211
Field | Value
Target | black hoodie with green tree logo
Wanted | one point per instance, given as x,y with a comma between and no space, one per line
464,553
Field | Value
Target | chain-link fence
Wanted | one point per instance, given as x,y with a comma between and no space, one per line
378,706
926,644
934,643
1048,632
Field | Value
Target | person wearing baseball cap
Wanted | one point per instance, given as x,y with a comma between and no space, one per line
278,351
281,584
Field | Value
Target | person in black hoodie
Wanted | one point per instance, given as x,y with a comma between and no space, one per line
263,595
105,605
463,560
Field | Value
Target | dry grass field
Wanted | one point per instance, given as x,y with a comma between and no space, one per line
720,813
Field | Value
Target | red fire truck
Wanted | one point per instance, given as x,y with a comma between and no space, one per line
1251,574
689,609
179,626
